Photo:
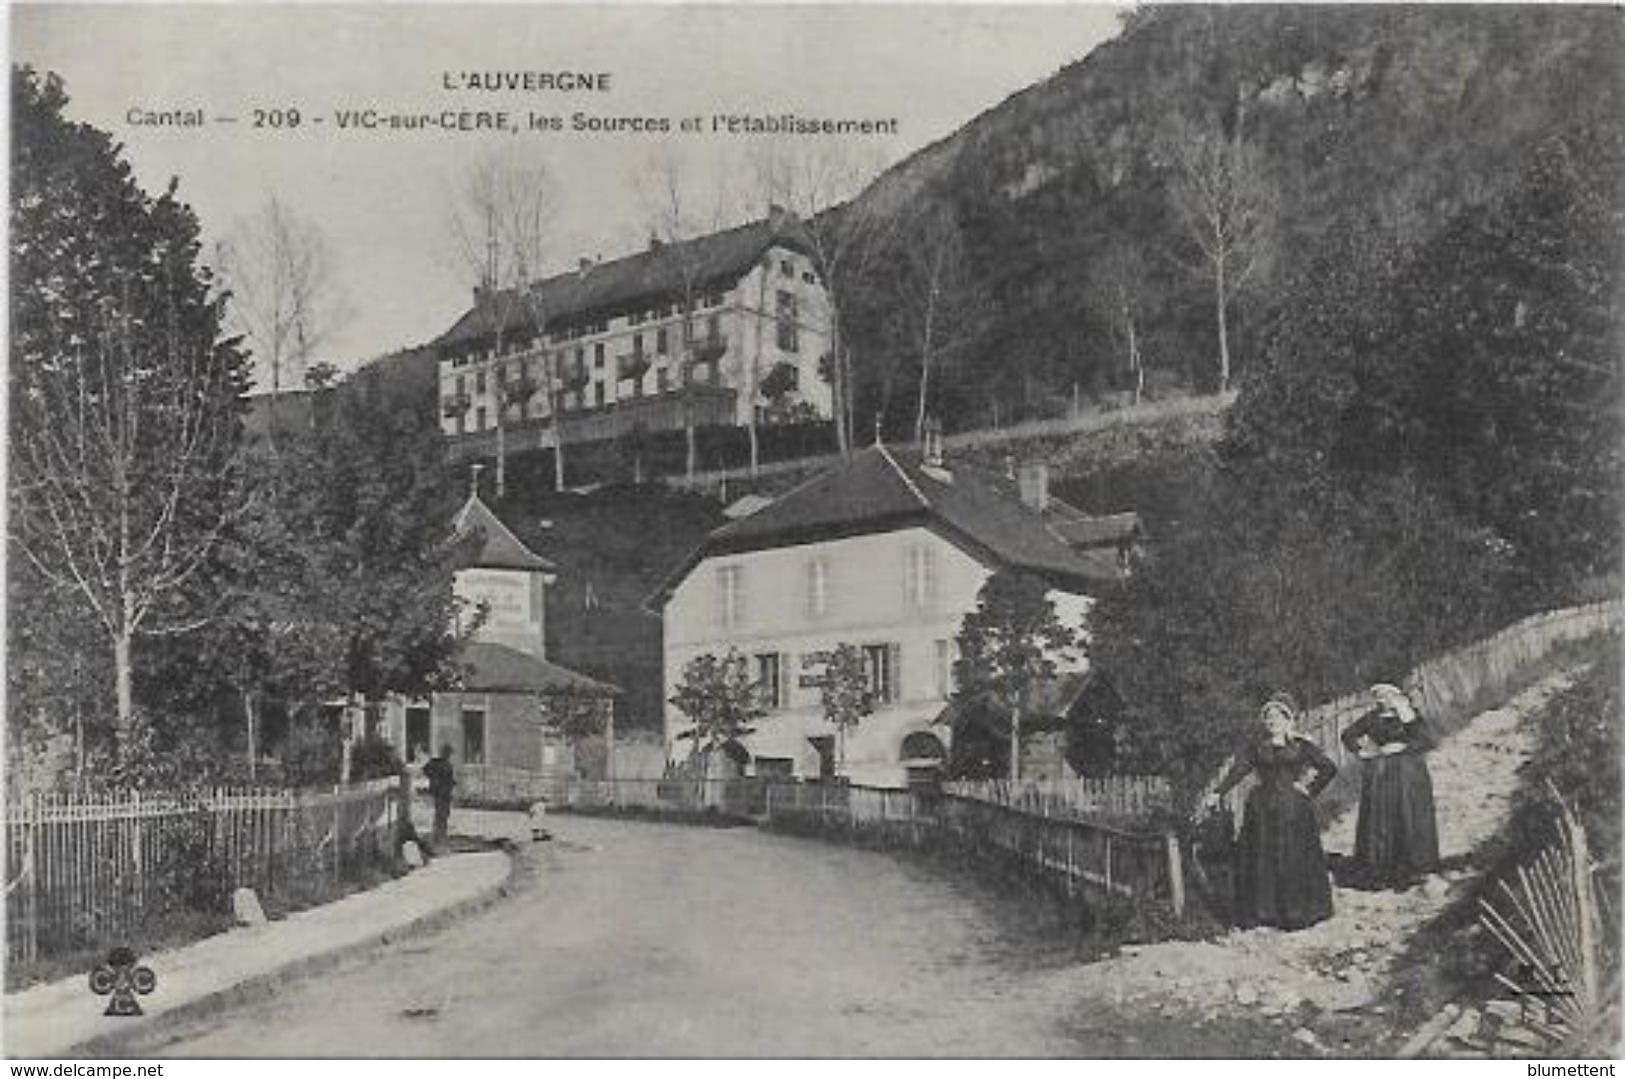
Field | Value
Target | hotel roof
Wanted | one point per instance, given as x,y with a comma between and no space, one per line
882,490
661,273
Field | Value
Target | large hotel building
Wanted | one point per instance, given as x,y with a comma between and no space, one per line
713,330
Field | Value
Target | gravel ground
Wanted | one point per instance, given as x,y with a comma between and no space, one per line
1342,966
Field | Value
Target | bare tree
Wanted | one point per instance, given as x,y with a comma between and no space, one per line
1117,290
284,297
1224,202
124,477
812,181
938,301
677,217
501,221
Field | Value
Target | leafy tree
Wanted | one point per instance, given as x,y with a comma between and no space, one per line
1481,363
124,391
342,578
845,695
1007,646
720,699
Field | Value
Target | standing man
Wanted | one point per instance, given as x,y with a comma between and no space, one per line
441,781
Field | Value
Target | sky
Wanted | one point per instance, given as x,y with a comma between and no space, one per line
381,198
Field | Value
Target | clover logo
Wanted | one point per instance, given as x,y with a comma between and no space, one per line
121,978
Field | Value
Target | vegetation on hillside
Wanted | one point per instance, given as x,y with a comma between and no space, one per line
1428,447
1395,119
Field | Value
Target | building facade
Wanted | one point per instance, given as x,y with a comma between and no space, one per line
888,553
722,328
503,715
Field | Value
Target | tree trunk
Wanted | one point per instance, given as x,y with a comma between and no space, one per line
838,388
688,433
502,449
558,444
1224,337
755,451
124,682
253,748
1015,745
1134,361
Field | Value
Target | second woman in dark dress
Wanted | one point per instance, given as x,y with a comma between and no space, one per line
1396,840
1281,877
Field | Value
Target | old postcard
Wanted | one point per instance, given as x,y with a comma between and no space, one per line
814,531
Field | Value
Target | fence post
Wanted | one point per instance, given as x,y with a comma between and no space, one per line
1176,874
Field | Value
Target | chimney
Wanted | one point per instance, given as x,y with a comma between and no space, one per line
585,264
777,216
474,480
1034,483
655,242
1010,467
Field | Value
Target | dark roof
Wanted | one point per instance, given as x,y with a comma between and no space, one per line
501,549
496,668
656,274
881,490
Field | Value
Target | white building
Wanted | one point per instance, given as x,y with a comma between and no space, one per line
887,552
610,342
500,716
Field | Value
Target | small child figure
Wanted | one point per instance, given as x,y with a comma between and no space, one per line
538,822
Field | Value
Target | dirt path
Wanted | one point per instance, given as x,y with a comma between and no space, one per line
659,940
1344,963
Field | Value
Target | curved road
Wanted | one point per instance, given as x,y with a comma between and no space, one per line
640,939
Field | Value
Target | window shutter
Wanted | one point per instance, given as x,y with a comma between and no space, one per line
894,660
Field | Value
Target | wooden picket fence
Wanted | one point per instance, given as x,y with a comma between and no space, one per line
92,871
1124,798
1080,857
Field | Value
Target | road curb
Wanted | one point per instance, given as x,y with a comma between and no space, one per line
122,1043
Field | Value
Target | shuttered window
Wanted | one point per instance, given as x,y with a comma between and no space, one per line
920,577
818,587
884,663
730,596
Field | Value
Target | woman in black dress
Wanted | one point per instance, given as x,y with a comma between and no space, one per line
1396,841
1281,877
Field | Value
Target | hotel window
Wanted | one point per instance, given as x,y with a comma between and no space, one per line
479,381
662,379
771,685
598,354
883,661
637,347
789,331
479,418
462,387
660,341
713,328
920,578
502,373
598,394
818,588
730,596
787,268
946,653
473,736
